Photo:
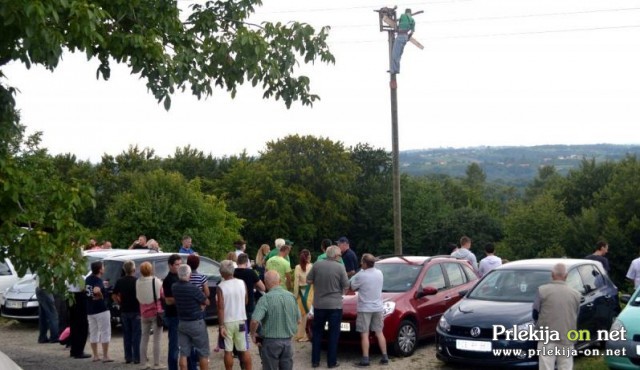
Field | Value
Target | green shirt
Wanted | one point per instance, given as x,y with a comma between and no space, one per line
323,256
406,23
282,266
278,313
274,252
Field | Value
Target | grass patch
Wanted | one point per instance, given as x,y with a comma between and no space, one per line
590,363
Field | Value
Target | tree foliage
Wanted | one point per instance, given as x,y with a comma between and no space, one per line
213,45
164,206
38,215
372,219
535,229
300,188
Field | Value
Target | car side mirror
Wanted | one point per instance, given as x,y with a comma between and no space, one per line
428,290
625,298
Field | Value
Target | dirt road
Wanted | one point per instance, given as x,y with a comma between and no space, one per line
19,341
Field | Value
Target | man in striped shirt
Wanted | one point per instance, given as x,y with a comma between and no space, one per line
278,313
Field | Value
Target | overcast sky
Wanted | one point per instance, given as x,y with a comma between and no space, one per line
493,73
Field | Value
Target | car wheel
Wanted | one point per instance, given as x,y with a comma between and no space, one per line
406,339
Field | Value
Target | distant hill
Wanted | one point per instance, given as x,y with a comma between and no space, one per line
515,165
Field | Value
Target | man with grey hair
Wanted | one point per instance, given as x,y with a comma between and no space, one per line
278,243
556,308
329,279
232,298
279,315
192,330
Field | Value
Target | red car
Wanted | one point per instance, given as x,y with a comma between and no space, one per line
416,291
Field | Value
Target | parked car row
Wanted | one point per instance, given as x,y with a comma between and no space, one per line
424,297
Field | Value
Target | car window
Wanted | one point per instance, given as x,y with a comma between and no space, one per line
398,277
468,271
456,277
575,281
591,277
4,269
510,285
208,268
161,268
112,272
434,278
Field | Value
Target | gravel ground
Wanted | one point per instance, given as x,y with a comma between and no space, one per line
19,342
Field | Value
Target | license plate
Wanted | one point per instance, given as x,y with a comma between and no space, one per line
638,349
13,304
344,326
473,345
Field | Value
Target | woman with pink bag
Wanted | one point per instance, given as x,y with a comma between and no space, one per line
149,293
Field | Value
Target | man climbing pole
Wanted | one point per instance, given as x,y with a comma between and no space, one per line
405,29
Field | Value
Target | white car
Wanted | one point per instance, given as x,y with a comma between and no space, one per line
20,302
8,276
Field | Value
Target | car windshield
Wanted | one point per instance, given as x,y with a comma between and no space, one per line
510,285
90,260
398,277
4,269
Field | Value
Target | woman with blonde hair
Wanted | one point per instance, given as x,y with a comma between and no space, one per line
260,262
149,293
303,292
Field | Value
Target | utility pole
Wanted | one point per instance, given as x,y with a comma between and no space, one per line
387,19
390,13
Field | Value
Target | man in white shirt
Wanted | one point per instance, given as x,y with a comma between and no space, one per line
634,272
232,316
490,262
368,283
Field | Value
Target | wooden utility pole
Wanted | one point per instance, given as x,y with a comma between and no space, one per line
387,19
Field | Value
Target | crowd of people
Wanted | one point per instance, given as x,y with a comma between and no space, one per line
264,302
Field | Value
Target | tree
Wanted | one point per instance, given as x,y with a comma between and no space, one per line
372,221
164,206
212,46
548,179
38,213
535,229
582,185
618,207
423,209
300,188
321,174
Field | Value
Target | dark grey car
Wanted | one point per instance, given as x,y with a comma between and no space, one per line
505,296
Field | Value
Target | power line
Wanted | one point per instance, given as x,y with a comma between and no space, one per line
541,32
503,34
457,20
370,6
